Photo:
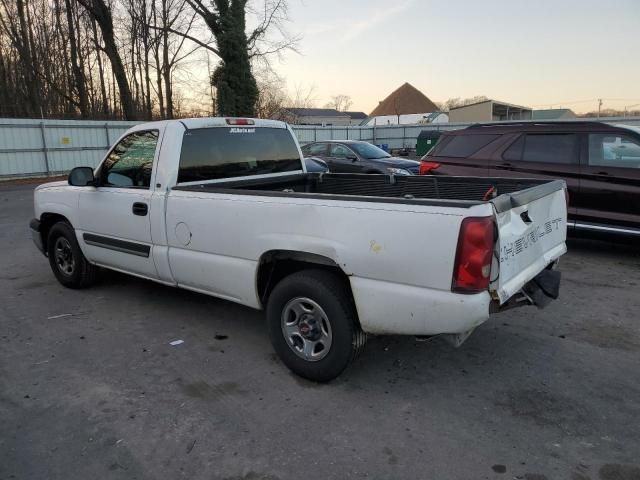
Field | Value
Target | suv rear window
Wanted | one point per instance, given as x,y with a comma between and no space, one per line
221,152
545,148
462,145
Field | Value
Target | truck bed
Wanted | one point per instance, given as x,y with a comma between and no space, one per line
419,189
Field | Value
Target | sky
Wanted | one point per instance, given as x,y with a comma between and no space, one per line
542,53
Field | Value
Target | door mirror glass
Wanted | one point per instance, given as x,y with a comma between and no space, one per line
81,177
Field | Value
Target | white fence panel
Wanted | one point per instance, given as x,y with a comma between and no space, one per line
45,147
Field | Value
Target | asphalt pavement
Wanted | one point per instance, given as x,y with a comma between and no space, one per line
91,388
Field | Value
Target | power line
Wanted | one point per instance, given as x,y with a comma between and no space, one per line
593,100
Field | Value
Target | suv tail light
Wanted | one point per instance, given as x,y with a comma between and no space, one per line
427,167
239,121
472,268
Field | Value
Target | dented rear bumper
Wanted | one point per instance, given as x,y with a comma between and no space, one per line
539,291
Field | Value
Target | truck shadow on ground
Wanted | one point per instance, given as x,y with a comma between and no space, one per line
533,374
525,370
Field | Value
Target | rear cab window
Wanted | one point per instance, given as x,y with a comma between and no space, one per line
226,152
461,146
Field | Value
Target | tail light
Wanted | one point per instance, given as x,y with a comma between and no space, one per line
472,269
239,121
427,167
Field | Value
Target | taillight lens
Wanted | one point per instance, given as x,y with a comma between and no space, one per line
427,167
472,270
239,121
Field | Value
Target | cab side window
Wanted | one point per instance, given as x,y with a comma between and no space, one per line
317,149
130,162
612,150
338,150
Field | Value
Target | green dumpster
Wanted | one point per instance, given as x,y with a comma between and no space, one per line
426,140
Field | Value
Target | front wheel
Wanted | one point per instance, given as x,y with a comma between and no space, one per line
313,324
68,263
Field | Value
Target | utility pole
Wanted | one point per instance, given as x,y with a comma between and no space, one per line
630,106
599,106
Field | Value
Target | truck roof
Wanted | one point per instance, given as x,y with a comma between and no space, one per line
208,122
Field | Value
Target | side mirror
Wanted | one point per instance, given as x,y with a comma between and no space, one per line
353,158
82,177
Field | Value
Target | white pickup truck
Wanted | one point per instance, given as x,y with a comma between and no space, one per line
225,207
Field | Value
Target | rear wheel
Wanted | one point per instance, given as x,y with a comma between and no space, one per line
313,324
68,263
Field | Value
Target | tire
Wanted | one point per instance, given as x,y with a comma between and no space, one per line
68,263
313,324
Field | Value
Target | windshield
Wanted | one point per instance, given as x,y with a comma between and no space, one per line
368,151
214,153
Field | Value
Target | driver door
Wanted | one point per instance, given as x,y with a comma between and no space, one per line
342,159
115,229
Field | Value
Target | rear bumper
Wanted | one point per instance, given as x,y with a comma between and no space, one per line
36,236
540,291
398,309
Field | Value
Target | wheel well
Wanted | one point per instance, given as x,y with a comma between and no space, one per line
48,220
278,264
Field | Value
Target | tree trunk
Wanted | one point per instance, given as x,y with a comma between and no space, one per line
28,67
146,47
166,67
102,15
77,71
103,88
156,56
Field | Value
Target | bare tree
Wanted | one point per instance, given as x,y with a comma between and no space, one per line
236,86
136,58
341,102
304,96
78,74
102,15
272,97
459,102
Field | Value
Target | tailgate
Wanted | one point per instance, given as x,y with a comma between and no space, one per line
532,229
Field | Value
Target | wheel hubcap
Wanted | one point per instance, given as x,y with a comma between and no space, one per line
306,329
64,256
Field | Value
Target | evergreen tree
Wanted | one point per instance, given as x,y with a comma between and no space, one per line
237,90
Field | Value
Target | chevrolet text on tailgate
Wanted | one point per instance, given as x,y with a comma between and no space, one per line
225,207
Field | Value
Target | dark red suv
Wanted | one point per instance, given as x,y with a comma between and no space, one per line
599,162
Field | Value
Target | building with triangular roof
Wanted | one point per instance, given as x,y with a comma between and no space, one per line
404,100
405,105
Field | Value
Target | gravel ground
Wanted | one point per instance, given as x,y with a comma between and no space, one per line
91,388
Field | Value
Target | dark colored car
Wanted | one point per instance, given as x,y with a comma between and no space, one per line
599,162
353,156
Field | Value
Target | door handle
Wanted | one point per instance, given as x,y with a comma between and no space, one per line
601,174
505,166
140,209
